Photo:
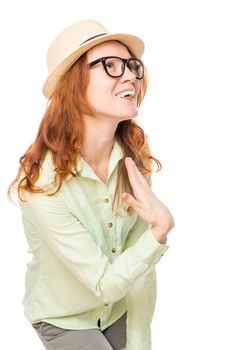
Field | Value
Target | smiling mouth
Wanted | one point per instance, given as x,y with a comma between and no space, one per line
127,93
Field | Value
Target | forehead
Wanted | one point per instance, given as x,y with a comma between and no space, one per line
108,48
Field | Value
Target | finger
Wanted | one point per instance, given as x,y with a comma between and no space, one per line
130,200
138,173
140,176
137,180
131,171
133,178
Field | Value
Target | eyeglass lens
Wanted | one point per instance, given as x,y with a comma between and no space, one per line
115,67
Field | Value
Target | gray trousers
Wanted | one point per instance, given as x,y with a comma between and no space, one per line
112,338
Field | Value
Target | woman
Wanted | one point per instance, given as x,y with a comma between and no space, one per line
94,227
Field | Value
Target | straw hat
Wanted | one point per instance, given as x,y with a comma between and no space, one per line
75,40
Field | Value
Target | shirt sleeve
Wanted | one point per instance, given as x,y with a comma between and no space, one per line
140,314
140,301
75,247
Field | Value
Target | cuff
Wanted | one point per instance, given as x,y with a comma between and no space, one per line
148,249
140,340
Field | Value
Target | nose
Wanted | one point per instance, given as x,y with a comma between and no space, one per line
128,75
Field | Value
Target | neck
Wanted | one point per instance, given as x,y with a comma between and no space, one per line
98,140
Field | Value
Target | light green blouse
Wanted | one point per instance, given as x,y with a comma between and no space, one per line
87,263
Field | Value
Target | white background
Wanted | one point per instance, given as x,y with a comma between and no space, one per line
187,114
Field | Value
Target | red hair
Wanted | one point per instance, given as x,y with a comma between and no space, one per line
61,130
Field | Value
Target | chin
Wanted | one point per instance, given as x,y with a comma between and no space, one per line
131,115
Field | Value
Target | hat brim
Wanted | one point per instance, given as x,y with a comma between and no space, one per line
134,43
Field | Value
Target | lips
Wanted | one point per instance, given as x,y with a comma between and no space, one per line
126,93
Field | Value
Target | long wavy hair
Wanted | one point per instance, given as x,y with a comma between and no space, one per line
61,133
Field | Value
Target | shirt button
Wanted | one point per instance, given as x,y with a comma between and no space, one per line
106,200
113,250
110,224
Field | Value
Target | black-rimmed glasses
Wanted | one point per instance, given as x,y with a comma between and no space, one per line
115,66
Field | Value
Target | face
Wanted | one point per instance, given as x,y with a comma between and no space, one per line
104,92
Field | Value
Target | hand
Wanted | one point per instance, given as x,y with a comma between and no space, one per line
146,204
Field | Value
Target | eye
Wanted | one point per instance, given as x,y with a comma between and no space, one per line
113,65
134,66
109,64
138,66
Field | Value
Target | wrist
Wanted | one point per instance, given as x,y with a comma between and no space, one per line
160,233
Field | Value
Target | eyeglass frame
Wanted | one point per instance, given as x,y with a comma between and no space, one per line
125,62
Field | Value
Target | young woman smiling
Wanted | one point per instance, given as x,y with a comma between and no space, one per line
94,227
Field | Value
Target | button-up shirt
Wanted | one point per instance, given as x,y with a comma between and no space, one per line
88,263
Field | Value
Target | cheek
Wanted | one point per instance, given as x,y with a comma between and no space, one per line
137,87
95,95
98,91
90,88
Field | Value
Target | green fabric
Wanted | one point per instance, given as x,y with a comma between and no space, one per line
88,263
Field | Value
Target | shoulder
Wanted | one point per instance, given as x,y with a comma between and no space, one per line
47,175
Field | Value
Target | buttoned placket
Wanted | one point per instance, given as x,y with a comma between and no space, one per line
106,209
109,224
109,219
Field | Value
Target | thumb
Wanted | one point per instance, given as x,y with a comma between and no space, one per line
129,199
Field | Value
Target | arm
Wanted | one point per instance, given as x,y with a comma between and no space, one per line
140,299
74,246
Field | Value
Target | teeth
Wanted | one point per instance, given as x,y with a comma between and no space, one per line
125,93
